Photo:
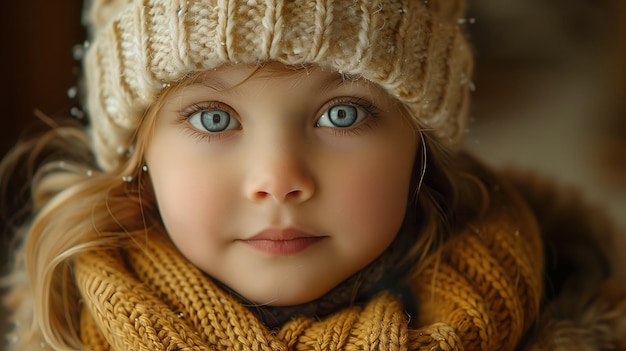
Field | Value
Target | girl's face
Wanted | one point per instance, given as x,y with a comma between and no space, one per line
281,184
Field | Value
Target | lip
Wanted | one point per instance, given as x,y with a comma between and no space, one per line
282,242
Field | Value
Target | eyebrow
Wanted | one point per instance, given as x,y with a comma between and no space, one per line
339,80
335,81
208,81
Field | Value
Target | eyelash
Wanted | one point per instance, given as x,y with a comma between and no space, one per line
372,116
186,114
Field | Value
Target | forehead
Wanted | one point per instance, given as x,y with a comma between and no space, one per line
230,77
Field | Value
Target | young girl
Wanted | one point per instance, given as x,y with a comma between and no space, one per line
287,175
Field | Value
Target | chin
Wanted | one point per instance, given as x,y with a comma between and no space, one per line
286,297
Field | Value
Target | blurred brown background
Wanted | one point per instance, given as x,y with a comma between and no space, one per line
551,92
550,85
37,68
36,61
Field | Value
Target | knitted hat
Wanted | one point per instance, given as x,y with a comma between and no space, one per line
414,49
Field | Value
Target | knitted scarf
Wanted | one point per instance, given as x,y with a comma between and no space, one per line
481,293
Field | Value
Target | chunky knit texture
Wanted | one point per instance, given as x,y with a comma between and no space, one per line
482,294
413,49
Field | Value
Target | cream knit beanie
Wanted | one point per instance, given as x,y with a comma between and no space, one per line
412,48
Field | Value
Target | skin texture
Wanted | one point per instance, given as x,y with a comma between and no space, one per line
281,169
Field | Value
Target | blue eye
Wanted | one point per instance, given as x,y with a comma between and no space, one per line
341,116
213,121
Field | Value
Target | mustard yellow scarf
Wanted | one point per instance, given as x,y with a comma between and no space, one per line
481,294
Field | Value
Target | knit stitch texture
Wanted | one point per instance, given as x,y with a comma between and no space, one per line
413,49
482,294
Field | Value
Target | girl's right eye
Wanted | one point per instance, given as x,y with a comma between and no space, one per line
213,121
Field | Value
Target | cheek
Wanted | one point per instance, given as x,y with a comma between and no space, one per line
372,192
190,201
193,208
183,200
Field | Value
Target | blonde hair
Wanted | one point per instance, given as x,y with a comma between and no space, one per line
76,208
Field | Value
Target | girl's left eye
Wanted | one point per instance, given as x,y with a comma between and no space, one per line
213,121
341,116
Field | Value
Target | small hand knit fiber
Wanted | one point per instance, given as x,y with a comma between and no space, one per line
413,49
482,294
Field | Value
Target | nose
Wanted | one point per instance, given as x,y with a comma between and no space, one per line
281,175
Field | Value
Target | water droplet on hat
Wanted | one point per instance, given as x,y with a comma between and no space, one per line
78,51
72,92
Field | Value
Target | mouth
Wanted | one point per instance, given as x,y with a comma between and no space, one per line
282,242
